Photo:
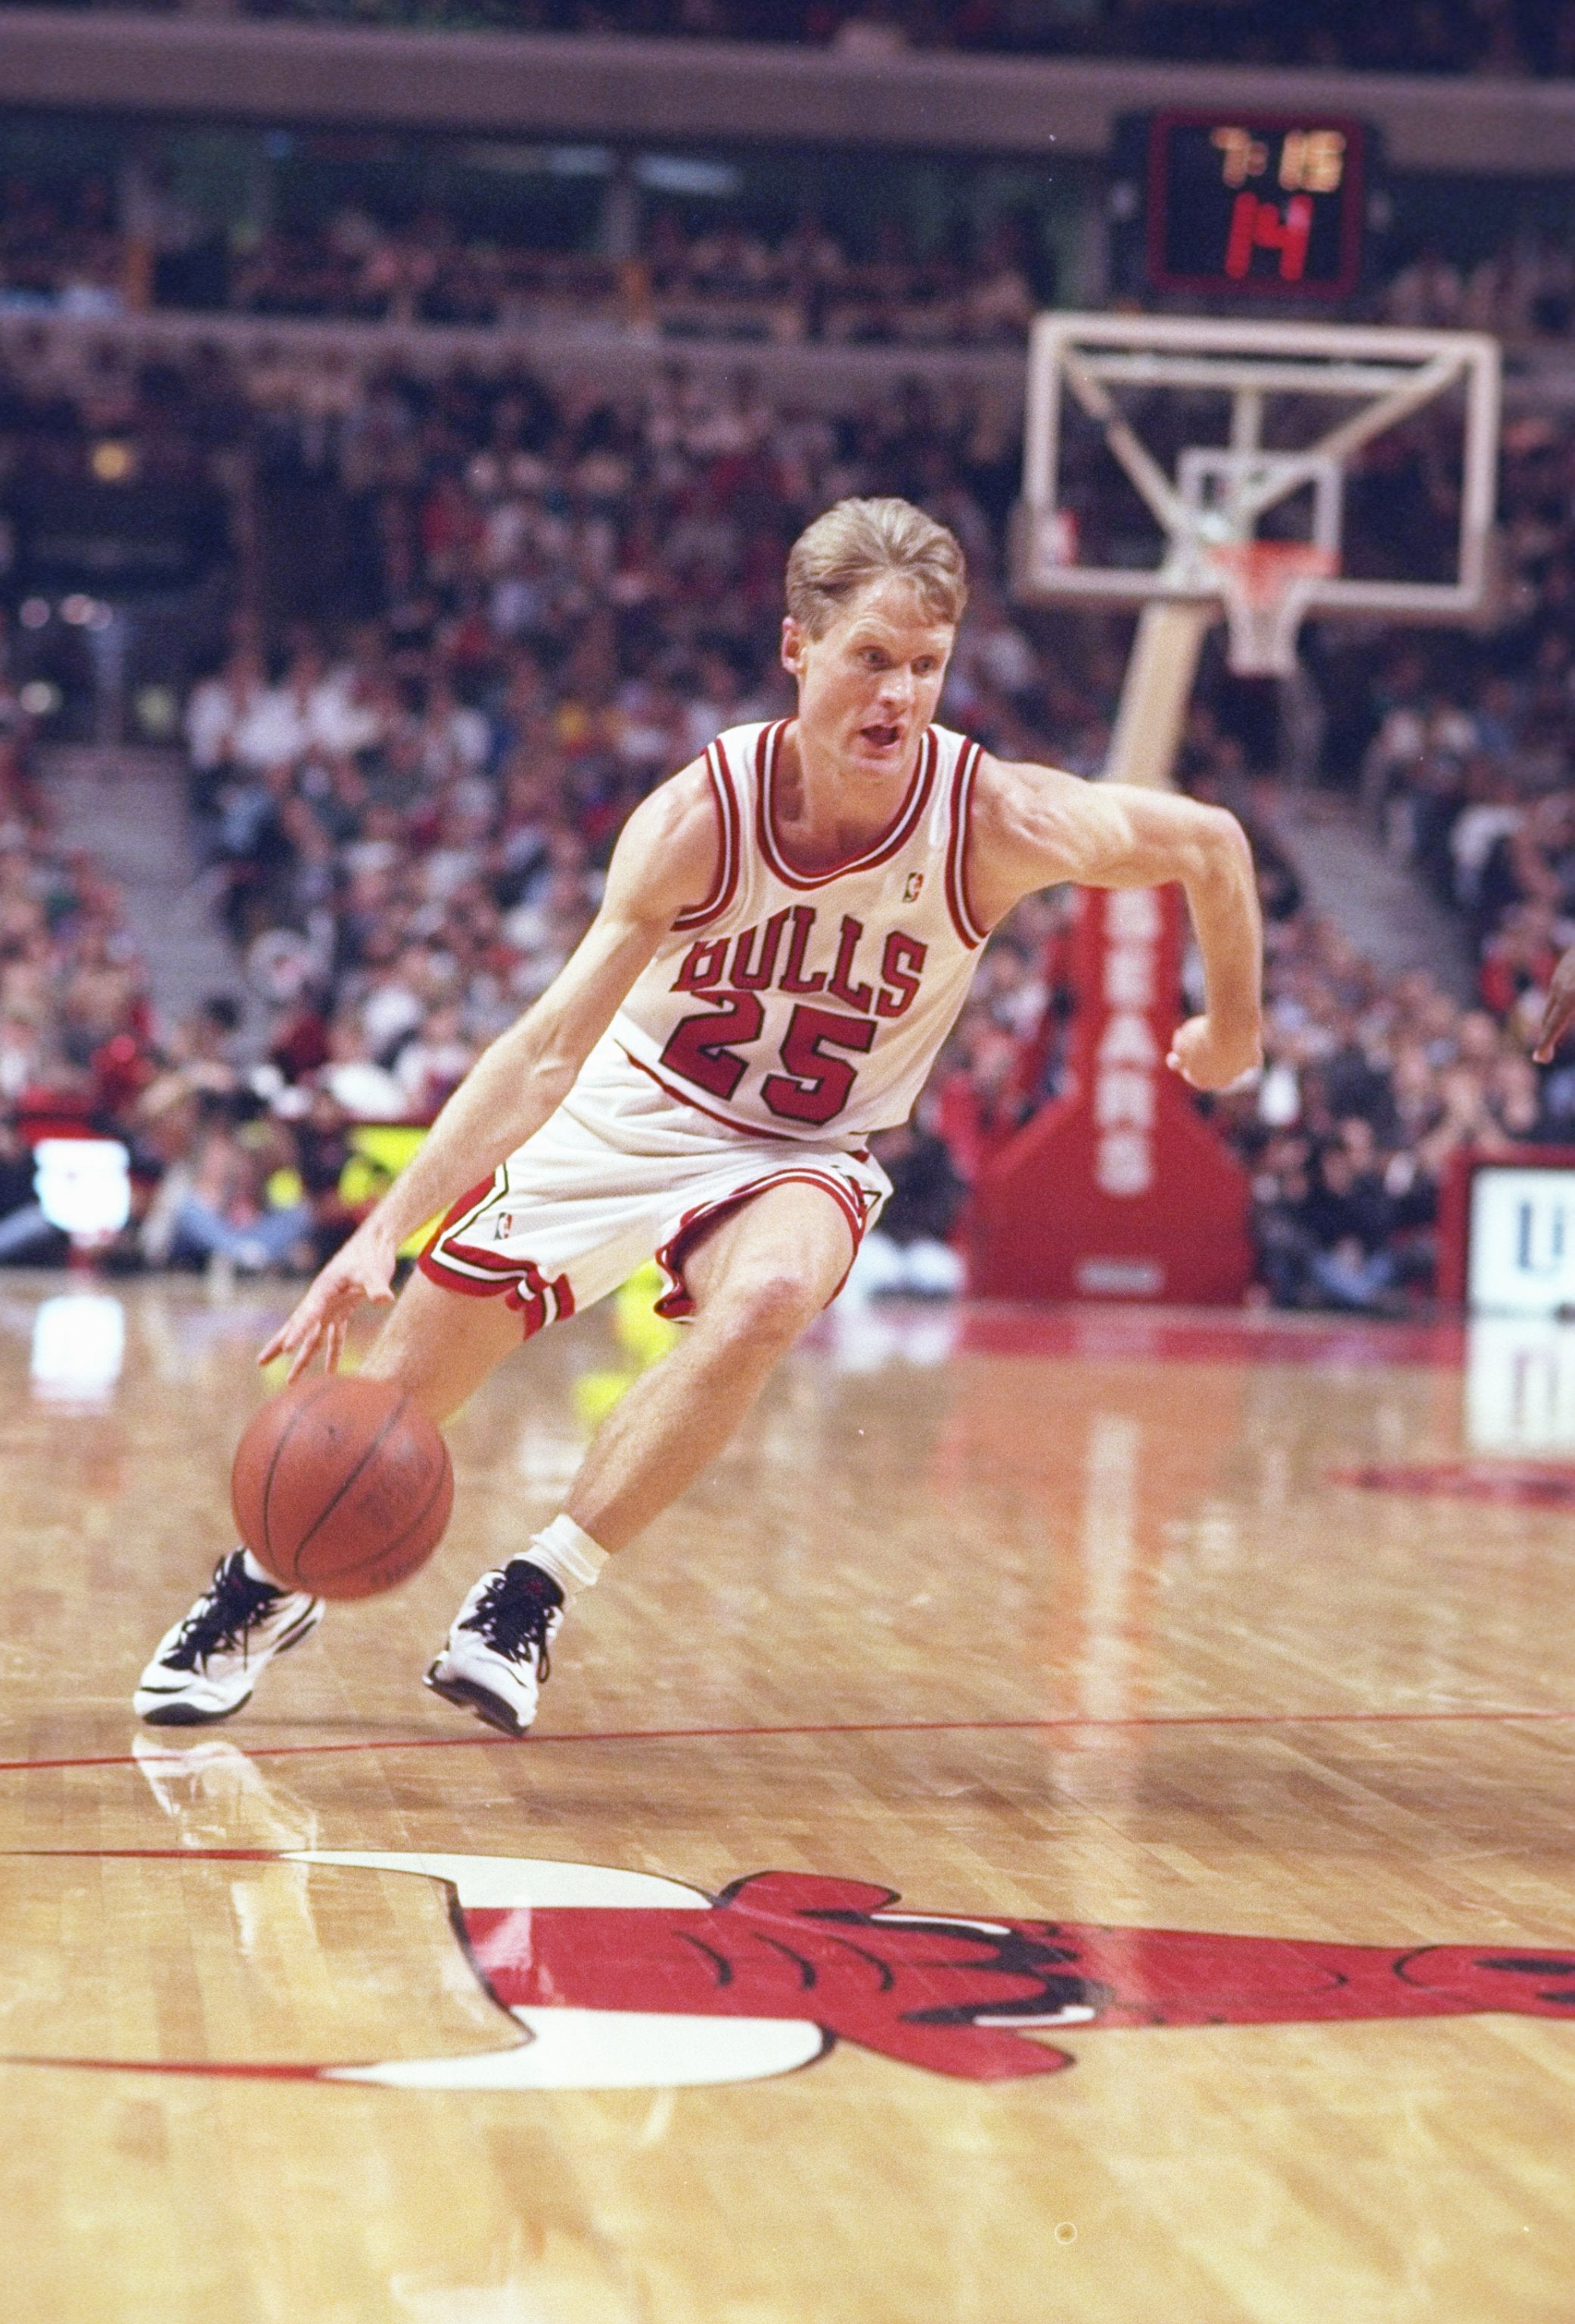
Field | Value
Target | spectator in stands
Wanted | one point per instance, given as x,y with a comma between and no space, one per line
26,1236
912,1250
217,1206
410,820
487,855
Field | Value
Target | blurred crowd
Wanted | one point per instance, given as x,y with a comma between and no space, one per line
62,250
1524,291
407,818
728,282
409,826
1370,1087
578,596
1465,774
75,1018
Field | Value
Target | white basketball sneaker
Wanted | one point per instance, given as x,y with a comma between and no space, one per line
206,1668
496,1657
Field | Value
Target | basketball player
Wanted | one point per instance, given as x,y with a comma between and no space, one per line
789,929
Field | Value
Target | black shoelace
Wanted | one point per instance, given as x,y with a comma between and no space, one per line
223,1617
514,1610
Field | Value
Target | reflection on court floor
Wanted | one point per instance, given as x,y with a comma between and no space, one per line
1022,1838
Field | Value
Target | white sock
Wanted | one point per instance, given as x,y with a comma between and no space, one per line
567,1551
255,1572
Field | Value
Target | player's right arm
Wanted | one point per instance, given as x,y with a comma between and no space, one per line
664,863
1033,825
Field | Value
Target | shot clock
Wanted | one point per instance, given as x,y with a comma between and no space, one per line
1243,205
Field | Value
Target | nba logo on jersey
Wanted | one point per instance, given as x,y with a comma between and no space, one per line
915,887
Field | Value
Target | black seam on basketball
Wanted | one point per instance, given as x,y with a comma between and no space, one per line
329,1507
445,1471
290,1426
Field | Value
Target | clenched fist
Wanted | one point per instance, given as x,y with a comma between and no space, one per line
1210,1058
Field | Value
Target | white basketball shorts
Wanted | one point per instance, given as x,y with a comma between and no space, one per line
620,1173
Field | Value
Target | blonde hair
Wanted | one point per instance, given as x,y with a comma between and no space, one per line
856,542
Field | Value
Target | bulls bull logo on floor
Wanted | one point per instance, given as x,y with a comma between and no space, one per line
622,1979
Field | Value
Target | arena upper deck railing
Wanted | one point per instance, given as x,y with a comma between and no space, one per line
1409,37
186,65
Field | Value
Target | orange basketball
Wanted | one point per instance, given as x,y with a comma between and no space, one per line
341,1486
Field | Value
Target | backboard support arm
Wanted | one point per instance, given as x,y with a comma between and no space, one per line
1155,691
1146,474
1211,556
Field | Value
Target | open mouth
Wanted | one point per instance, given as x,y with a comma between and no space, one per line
881,737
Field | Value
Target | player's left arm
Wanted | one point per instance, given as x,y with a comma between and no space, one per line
1032,827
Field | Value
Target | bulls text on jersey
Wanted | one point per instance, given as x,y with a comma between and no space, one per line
811,1005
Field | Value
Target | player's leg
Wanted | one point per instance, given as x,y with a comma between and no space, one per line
757,1280
438,1347
761,1275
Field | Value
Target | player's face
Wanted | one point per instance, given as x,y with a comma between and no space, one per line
870,684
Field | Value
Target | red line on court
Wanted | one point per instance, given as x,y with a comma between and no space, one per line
1157,1719
262,2073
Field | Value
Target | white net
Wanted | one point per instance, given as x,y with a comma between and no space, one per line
1265,587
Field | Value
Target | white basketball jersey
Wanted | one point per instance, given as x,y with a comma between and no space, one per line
811,1005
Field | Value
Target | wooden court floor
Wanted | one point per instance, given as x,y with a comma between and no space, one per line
1013,1626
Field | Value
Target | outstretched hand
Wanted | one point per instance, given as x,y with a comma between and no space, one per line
1559,1009
363,1269
1209,1059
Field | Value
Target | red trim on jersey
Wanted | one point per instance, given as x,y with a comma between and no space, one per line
687,1097
431,1265
518,1281
536,1300
533,1308
462,1214
729,851
902,830
963,919
490,1262
676,1306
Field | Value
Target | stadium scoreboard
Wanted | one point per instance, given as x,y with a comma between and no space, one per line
1242,206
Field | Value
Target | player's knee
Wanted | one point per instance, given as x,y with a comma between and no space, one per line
775,1306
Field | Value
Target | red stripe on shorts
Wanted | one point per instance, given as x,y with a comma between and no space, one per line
676,1304
518,1281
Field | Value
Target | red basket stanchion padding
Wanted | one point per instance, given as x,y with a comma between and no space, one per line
1118,1189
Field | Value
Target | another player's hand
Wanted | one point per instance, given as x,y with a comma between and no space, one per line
1559,1009
1210,1058
363,1269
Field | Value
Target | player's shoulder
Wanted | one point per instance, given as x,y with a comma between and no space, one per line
717,783
681,806
1029,825
952,746
997,777
688,801
668,851
1016,791
737,744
